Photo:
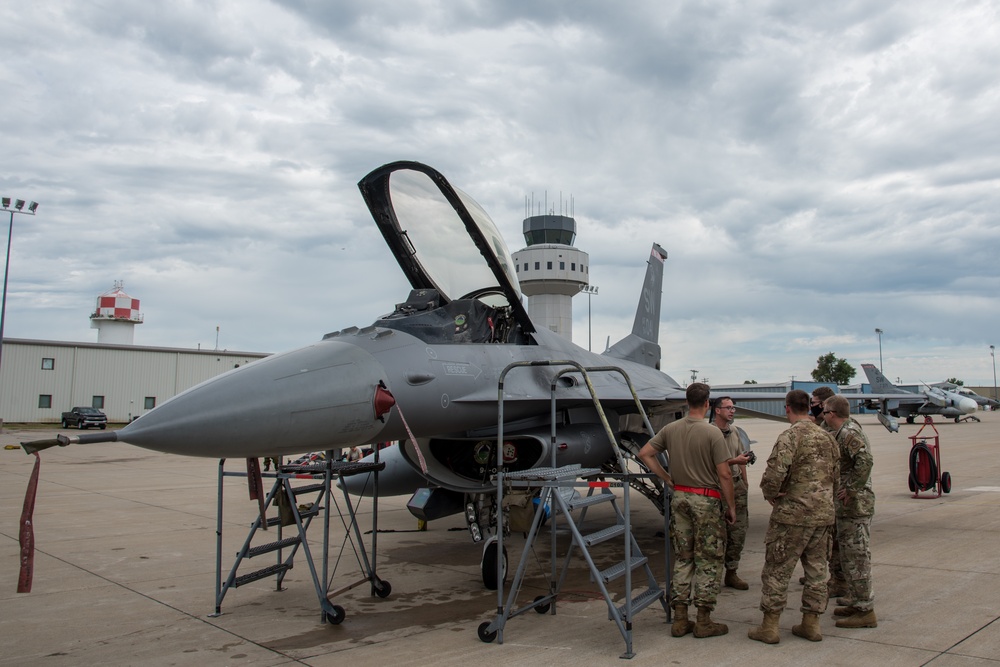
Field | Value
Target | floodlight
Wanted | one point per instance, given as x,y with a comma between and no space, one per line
6,202
32,207
19,204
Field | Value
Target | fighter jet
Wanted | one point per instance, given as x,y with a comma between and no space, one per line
965,391
931,401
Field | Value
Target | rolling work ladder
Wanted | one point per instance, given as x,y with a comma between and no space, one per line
557,488
296,512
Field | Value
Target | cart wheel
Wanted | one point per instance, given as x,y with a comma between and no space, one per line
334,613
946,482
381,588
489,566
911,483
484,635
542,608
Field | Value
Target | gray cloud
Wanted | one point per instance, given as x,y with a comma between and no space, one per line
814,171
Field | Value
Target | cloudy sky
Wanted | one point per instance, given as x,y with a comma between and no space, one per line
814,170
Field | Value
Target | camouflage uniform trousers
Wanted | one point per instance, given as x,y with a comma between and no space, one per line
854,534
785,545
698,538
736,534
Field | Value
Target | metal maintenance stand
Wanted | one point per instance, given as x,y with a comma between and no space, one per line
294,511
551,484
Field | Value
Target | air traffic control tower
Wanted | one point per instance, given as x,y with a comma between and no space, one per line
551,271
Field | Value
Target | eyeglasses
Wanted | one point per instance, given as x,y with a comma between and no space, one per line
826,412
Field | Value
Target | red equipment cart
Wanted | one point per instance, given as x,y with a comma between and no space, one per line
925,463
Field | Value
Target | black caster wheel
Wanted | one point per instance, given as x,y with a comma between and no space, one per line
484,635
334,614
542,608
946,482
382,588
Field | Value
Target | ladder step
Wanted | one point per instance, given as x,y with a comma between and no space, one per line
312,488
345,468
641,601
312,511
618,569
603,535
273,546
261,574
587,501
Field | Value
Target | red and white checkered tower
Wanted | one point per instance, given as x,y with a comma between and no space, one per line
116,316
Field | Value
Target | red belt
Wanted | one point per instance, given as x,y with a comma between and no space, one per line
700,490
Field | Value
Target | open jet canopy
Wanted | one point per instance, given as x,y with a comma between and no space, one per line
440,237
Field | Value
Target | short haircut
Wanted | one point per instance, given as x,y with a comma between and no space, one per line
697,393
716,402
798,401
823,393
839,406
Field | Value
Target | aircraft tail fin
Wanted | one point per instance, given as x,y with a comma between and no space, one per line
642,345
879,383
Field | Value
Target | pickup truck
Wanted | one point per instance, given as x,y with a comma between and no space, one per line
84,418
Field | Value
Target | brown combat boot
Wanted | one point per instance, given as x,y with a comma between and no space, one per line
733,581
848,610
836,588
704,627
767,631
808,628
862,619
682,625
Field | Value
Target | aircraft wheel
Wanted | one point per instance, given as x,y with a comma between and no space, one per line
913,485
382,588
484,634
910,419
958,420
334,613
542,608
489,566
946,482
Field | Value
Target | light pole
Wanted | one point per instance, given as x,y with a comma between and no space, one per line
994,355
18,208
879,333
589,290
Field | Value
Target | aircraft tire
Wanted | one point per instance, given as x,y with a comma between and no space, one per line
489,566
946,482
910,419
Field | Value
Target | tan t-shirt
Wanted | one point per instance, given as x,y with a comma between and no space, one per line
694,448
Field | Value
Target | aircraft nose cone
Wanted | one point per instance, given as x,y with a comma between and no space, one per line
311,399
967,405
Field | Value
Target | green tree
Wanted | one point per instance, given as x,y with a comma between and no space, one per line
831,369
749,382
960,383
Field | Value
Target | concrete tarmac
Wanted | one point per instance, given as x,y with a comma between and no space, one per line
126,559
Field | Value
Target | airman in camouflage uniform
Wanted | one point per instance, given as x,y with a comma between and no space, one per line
700,506
855,508
799,482
736,533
